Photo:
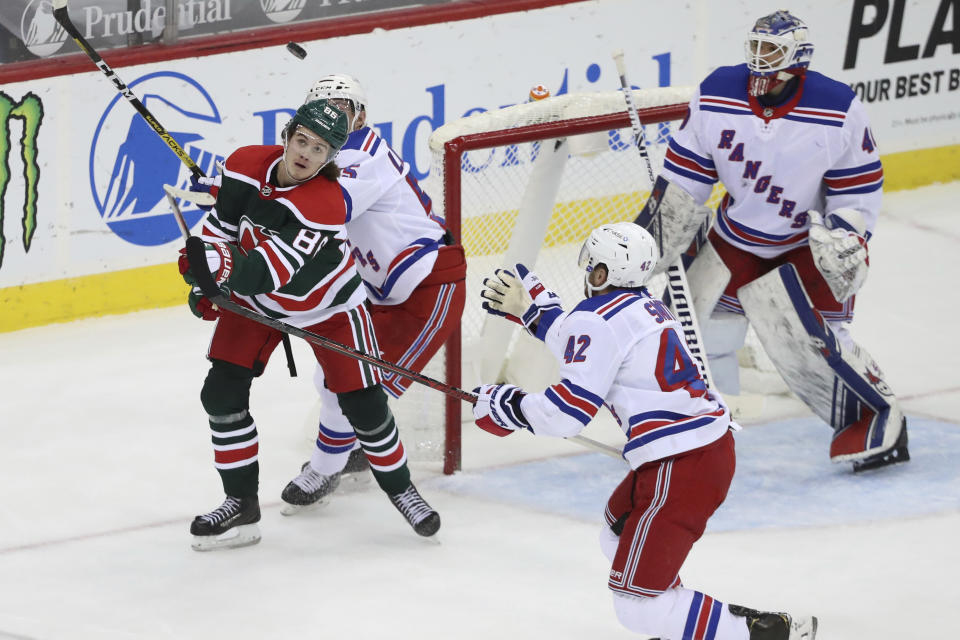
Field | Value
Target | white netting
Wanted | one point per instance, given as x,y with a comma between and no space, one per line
534,203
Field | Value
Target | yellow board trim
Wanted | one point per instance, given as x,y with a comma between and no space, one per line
161,286
87,296
912,169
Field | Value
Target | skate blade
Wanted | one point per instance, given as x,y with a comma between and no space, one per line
433,540
288,509
804,629
355,481
242,536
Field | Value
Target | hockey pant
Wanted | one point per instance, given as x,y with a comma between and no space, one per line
409,334
239,351
652,520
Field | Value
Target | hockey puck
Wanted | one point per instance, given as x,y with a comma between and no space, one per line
297,50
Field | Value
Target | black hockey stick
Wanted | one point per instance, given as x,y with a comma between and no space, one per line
196,254
61,16
677,284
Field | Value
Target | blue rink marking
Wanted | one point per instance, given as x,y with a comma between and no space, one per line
784,479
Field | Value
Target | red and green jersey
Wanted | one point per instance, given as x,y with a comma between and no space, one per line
295,265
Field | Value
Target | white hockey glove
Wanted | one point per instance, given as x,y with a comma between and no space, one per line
524,301
498,409
840,252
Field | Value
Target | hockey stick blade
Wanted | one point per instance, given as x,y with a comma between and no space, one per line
197,197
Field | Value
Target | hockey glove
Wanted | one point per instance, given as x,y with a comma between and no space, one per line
673,217
525,300
204,185
220,261
840,250
201,306
498,409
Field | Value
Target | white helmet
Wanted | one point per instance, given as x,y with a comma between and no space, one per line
626,249
340,86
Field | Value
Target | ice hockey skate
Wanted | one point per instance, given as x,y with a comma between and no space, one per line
231,525
896,454
307,489
357,470
424,520
769,625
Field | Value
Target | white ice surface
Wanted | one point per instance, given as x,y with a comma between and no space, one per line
105,457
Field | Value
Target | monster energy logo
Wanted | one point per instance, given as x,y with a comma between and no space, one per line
29,110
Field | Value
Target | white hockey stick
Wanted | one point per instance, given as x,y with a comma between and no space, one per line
676,275
197,197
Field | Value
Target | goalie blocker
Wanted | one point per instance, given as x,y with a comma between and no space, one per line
841,384
679,218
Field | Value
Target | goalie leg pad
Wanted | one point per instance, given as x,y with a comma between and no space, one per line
843,386
678,216
708,277
723,332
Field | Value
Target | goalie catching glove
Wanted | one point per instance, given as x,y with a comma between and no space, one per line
840,250
524,301
497,409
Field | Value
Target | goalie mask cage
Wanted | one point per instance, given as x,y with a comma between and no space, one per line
526,184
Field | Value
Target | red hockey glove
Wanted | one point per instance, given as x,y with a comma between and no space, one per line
201,306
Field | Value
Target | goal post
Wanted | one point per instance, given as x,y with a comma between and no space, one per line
526,184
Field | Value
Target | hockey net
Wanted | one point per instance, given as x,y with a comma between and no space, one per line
526,184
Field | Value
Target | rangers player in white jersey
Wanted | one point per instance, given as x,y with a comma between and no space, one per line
788,248
623,349
414,274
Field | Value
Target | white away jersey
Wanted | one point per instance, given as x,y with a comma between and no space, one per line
816,151
393,235
626,350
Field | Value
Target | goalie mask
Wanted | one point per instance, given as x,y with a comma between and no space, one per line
340,86
777,49
627,250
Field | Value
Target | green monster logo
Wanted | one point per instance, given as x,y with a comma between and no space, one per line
30,111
